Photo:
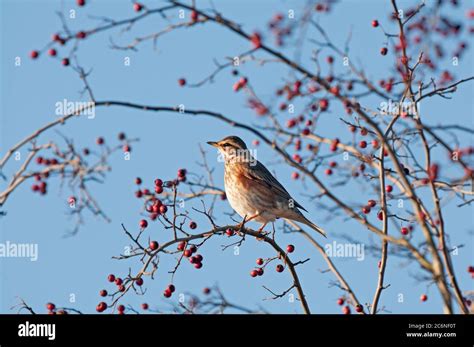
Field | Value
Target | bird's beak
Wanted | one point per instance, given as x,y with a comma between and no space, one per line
212,143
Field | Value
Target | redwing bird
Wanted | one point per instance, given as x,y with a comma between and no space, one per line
252,190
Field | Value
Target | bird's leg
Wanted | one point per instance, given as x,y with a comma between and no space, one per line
242,224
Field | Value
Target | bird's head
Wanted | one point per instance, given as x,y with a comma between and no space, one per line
232,148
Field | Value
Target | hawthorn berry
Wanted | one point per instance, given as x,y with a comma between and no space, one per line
52,52
111,278
121,308
198,265
167,293
143,224
137,7
389,188
206,290
366,209
80,2
359,308
171,288
259,261
404,231
280,268
372,203
383,51
194,16
101,307
328,172
100,141
290,248
103,292
154,245
139,281
81,35
260,271
229,232
340,301
182,82
118,281
375,23
254,273
346,310
145,306
193,225
34,54
50,306
423,297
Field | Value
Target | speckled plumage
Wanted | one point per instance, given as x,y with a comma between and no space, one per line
251,189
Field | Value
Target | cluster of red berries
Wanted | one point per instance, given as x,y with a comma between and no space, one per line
52,309
279,28
190,253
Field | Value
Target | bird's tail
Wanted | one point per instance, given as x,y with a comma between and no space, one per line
304,220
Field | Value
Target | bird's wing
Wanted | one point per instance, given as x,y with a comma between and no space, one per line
260,174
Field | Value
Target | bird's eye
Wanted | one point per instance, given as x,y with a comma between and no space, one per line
226,145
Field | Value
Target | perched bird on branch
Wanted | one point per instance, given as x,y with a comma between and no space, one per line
252,190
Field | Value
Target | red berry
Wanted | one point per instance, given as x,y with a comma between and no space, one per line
80,2
182,172
366,209
163,209
206,290
332,164
137,7
380,215
52,52
372,203
259,261
154,245
375,144
158,189
139,281
187,253
34,54
359,308
305,132
182,82
121,288
167,293
323,104
193,225
198,265
346,310
145,306
389,188
404,231
111,278
470,269
424,297
100,141
101,307
50,306
253,273
121,308
328,172
194,16
81,35
138,180
290,248
256,40
280,268
362,144
340,301
171,288
118,281
143,224
295,175
103,292
229,232
383,51
260,271
158,182
375,23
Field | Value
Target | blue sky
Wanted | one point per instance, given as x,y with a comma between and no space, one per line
79,265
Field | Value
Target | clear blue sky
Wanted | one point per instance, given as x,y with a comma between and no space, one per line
79,265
